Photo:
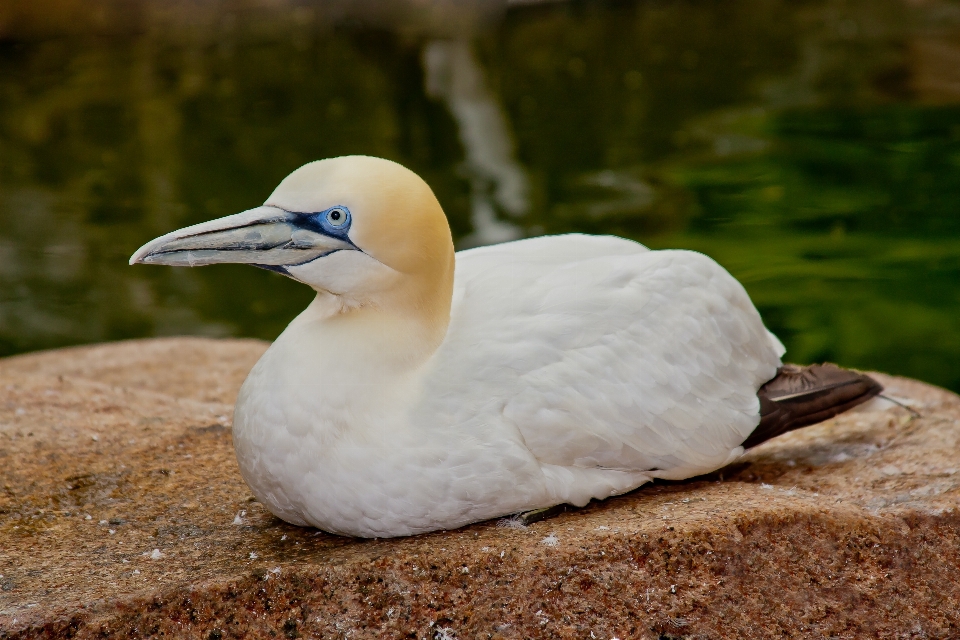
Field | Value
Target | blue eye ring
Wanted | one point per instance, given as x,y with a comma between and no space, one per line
334,221
337,217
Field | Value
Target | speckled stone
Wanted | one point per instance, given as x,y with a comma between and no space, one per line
122,514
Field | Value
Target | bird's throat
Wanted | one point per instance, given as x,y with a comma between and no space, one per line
364,335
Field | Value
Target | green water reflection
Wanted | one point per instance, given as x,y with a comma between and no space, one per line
811,148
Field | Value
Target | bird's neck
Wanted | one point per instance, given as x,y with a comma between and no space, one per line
396,332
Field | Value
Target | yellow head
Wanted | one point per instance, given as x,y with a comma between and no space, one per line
365,230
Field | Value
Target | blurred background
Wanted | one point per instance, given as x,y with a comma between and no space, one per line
812,147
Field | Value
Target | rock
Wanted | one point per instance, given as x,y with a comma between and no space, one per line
122,513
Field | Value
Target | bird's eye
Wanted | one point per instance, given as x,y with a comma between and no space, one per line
336,217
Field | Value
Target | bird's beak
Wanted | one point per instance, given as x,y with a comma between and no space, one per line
265,236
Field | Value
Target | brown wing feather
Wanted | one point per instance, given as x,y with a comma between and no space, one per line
800,396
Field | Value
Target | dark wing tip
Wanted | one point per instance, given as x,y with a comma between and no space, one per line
801,396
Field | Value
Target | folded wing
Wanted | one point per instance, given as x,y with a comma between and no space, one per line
602,353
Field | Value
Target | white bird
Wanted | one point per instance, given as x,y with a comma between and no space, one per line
424,389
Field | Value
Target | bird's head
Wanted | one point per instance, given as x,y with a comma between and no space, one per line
366,230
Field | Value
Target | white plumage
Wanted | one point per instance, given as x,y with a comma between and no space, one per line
550,370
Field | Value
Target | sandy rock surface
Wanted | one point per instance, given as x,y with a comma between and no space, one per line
122,513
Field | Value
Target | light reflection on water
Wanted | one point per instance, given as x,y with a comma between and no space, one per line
813,149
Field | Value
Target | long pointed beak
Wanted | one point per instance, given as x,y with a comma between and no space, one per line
265,236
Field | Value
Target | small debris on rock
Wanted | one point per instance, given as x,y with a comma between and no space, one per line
511,523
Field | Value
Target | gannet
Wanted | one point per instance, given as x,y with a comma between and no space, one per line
424,389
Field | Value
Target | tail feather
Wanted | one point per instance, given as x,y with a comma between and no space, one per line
801,396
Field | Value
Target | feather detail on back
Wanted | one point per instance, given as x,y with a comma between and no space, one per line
603,354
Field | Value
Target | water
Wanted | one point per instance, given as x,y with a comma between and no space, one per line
812,148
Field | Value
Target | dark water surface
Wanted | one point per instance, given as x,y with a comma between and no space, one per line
812,148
